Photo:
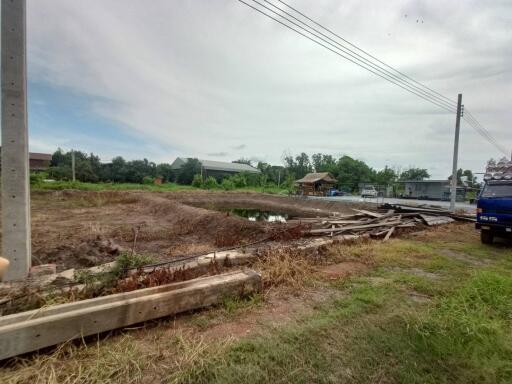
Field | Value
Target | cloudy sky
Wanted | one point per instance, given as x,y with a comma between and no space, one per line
215,79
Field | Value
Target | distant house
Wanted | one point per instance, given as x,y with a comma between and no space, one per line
431,190
316,184
216,168
38,161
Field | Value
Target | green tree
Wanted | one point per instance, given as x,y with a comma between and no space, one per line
351,172
118,170
299,166
323,163
386,176
188,170
414,174
165,171
468,174
275,173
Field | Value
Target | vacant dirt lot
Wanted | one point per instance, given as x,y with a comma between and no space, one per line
426,307
77,229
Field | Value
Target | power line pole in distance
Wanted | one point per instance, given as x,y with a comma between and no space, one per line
73,164
453,193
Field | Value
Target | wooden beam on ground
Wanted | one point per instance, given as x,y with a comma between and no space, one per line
388,235
26,332
436,220
355,227
368,213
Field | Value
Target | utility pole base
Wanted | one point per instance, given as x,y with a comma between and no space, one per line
15,157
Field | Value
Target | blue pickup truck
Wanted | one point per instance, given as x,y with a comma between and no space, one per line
494,210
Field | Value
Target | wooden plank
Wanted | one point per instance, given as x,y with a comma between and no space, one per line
345,221
390,232
99,316
356,227
436,220
368,213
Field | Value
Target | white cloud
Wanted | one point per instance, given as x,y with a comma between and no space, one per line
204,76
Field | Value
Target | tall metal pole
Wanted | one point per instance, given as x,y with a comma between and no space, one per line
73,174
453,194
15,161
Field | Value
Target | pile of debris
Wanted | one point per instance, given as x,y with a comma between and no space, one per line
381,223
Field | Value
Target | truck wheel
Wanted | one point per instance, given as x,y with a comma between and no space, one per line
486,236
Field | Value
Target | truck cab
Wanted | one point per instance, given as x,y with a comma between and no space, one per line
494,210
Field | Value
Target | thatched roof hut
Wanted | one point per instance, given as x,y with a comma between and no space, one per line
316,183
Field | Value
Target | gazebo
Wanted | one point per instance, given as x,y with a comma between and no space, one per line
316,184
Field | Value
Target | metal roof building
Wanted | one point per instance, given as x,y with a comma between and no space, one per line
212,166
431,190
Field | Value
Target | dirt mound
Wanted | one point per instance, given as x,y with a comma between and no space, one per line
84,254
69,228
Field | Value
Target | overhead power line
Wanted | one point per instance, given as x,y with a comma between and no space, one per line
336,50
357,56
369,54
351,52
480,129
471,120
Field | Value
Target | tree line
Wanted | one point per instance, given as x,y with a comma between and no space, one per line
348,171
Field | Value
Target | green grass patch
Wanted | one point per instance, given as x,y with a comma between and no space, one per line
166,187
77,185
377,334
293,354
235,304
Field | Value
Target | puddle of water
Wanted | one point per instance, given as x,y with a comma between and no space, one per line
259,215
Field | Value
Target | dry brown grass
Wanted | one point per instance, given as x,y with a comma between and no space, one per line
284,266
142,357
361,250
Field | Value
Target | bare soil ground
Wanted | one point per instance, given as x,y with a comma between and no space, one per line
78,229
346,316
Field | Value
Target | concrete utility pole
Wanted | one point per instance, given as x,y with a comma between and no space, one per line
15,160
73,164
453,193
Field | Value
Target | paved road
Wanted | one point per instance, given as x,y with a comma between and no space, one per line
470,208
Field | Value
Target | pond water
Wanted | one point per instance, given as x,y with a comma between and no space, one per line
259,215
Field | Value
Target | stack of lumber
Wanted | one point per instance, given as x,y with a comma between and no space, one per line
382,223
428,210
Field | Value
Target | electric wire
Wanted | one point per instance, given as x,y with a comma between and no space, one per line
365,52
429,94
480,129
349,59
476,124
356,55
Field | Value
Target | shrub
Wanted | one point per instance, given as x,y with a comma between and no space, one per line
239,180
148,180
210,183
197,181
227,184
37,178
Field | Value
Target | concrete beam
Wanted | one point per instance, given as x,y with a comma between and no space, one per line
25,332
15,163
